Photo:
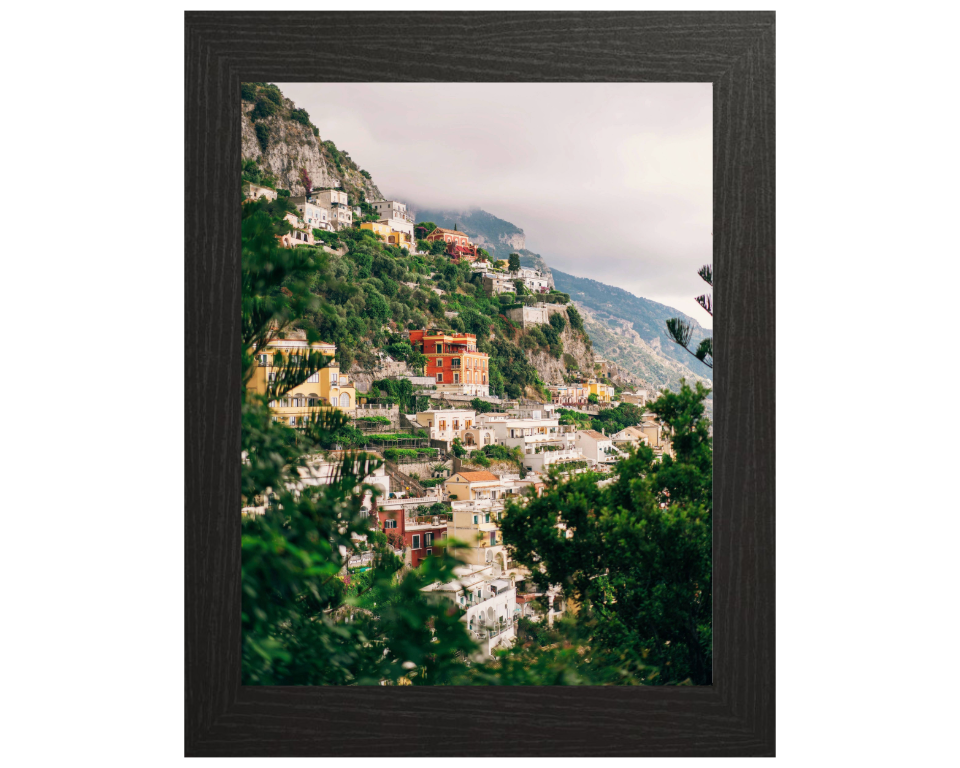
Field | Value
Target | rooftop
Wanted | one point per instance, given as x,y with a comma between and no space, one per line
594,434
478,477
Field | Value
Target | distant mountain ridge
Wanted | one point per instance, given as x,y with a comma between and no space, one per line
622,312
624,328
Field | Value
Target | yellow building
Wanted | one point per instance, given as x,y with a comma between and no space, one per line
400,239
325,387
380,230
604,392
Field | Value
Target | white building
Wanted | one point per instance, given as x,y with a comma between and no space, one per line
489,603
446,424
598,447
256,191
312,213
338,212
394,215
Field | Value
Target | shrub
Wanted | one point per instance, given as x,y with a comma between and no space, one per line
569,362
576,322
300,116
558,321
248,91
263,135
263,109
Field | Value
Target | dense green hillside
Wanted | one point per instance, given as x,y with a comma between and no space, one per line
620,310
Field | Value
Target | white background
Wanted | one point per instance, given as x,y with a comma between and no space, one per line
866,402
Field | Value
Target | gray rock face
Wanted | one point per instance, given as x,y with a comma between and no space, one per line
552,370
293,148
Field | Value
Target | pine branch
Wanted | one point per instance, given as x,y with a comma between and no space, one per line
706,301
706,272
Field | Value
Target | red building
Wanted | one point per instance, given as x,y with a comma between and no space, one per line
458,246
452,358
409,531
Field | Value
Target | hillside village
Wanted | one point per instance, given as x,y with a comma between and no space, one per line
470,377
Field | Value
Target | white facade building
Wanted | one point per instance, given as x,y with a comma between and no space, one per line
598,447
394,215
489,602
339,213
312,213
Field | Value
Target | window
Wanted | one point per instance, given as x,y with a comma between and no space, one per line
475,518
263,360
389,524
293,420
429,552
416,541
344,400
428,539
439,377
440,362
486,517
456,378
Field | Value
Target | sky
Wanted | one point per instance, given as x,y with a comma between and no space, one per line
610,181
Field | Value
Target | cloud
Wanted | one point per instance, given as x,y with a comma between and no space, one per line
611,181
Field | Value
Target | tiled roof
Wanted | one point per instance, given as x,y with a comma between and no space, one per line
594,434
475,477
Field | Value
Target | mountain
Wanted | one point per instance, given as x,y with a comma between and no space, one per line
634,329
498,237
624,328
280,139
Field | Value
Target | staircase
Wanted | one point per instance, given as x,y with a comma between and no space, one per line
403,480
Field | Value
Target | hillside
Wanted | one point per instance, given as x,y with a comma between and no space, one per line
637,328
624,328
284,144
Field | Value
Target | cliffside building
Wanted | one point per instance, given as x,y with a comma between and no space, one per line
454,359
325,387
335,201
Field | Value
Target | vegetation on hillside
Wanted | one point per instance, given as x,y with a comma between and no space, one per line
638,564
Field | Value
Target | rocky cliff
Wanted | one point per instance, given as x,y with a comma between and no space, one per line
283,142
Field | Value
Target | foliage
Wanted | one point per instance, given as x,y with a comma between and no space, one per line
481,406
593,399
576,322
295,600
263,135
300,116
458,450
682,332
514,262
639,564
558,321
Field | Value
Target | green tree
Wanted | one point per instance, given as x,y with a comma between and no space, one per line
593,399
295,599
639,562
458,450
514,262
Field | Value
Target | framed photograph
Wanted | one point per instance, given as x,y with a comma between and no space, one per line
460,480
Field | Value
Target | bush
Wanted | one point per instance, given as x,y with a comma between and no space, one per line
263,109
478,458
263,135
558,321
248,91
300,116
576,322
569,362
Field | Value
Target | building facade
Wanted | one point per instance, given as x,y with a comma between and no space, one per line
452,358
339,214
325,387
313,214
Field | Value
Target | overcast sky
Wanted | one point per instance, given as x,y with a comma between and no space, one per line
610,181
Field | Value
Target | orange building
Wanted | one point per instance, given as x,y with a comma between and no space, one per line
452,358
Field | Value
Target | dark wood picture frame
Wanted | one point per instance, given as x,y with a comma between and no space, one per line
735,715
